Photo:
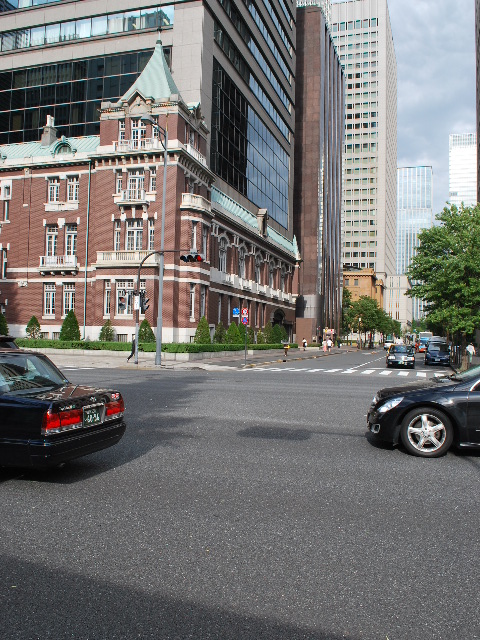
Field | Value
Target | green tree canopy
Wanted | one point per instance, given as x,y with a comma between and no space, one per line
202,334
446,270
145,332
3,325
70,329
33,328
107,332
219,335
233,335
347,317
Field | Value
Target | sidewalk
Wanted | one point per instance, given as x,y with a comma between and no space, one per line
118,359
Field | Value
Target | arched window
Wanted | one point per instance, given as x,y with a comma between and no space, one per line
241,262
258,269
222,255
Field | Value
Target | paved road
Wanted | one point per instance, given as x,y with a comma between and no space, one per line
243,506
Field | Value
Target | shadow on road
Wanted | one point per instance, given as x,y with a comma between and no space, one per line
42,603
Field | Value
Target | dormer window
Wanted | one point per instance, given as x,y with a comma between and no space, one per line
121,130
139,131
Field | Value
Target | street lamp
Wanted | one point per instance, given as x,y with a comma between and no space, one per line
158,350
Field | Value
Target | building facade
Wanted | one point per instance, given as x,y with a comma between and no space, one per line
91,203
462,169
414,213
363,37
397,304
320,117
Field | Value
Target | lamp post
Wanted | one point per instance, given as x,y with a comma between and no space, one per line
158,350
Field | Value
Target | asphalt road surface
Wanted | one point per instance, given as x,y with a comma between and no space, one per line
244,505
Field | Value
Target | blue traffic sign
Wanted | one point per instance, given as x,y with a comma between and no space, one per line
236,312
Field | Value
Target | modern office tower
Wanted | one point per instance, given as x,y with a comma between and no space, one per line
477,47
232,63
414,213
320,122
462,169
363,37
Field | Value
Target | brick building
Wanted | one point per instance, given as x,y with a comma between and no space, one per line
77,215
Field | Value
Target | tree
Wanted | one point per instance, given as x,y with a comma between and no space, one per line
347,317
107,332
267,332
367,315
233,335
260,337
202,334
33,329
279,334
145,333
219,335
70,329
446,271
3,325
242,329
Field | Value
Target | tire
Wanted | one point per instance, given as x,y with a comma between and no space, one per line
426,432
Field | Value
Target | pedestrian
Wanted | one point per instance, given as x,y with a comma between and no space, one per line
286,347
329,345
132,353
304,342
324,346
470,352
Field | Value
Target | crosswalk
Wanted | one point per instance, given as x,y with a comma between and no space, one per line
377,371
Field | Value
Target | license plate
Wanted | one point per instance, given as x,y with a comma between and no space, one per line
92,415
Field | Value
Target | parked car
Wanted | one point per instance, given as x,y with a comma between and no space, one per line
437,353
7,342
428,417
45,420
401,355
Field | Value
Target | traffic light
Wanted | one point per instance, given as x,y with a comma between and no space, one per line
191,257
143,301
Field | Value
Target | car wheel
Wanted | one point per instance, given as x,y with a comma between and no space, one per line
426,432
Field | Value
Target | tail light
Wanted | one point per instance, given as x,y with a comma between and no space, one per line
61,421
115,408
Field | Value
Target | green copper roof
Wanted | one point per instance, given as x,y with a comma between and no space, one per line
155,81
29,150
250,219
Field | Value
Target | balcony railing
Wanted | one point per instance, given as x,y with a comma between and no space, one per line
194,201
131,196
58,263
124,258
196,154
145,144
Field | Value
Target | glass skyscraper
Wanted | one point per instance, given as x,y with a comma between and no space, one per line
414,213
462,168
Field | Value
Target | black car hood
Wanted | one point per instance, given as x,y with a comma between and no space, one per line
412,387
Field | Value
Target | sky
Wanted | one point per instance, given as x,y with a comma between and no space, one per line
436,82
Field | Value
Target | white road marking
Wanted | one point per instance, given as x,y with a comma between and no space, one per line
368,372
385,373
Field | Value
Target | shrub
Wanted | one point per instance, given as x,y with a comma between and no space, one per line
145,333
268,333
277,334
33,328
233,335
70,329
107,332
3,325
202,334
260,337
219,335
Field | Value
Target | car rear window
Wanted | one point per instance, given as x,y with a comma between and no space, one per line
23,373
401,348
438,347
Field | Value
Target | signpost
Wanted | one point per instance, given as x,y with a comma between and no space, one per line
245,322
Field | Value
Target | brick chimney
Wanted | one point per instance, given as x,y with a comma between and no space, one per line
49,134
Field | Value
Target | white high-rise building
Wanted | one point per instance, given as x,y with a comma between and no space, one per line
462,165
363,36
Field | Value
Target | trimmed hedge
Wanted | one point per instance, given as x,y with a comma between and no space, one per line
174,347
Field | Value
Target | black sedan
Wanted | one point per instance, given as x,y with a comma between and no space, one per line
401,355
45,420
428,417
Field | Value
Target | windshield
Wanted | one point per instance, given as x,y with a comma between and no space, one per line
22,372
401,348
466,376
438,347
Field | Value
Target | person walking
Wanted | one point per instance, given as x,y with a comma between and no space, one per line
132,353
324,346
329,345
470,349
304,343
